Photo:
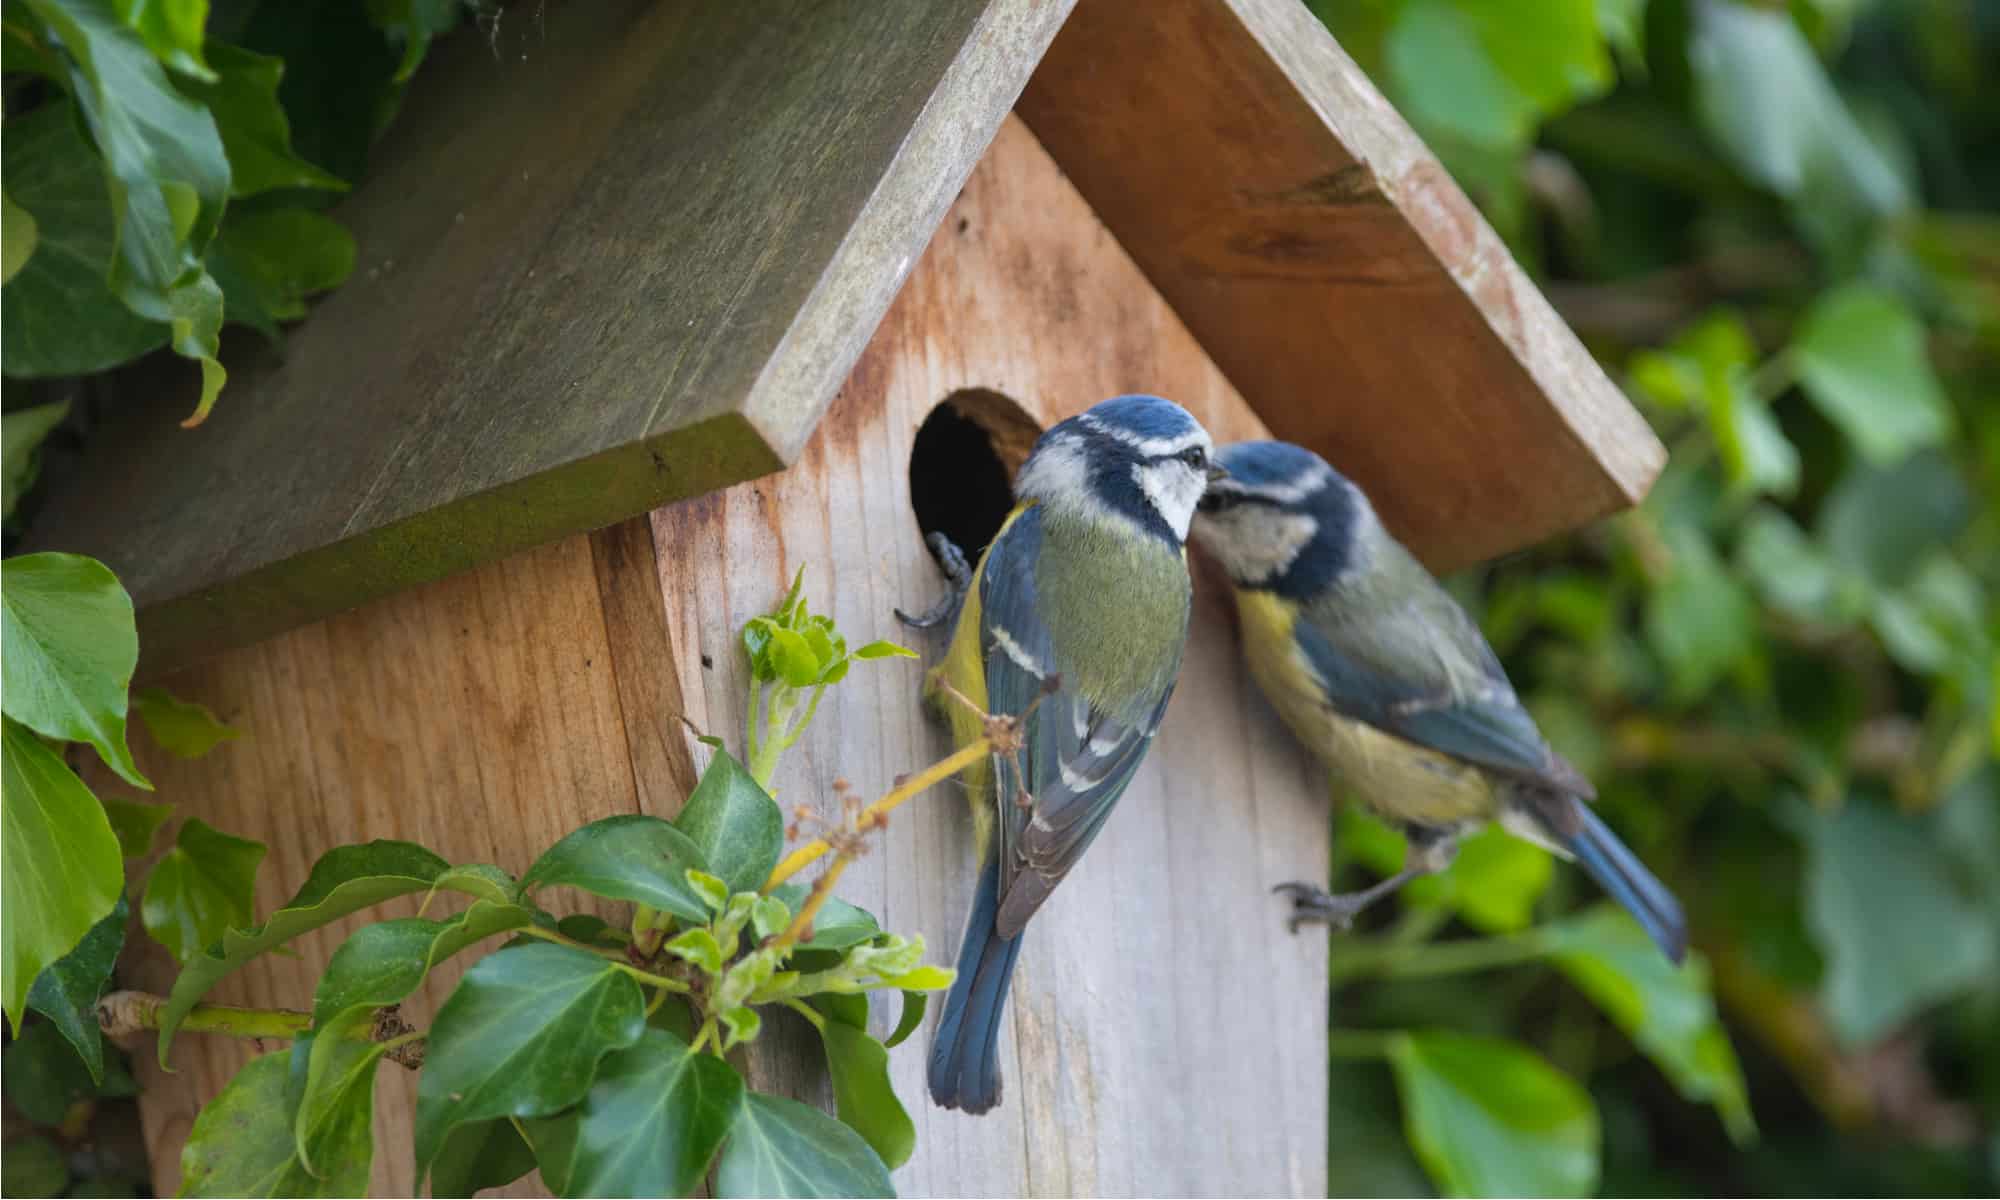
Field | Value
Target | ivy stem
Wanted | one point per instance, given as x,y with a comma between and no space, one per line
1429,960
872,816
703,1036
121,1014
615,957
805,1010
1360,1043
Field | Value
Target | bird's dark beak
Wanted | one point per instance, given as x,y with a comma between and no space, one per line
1217,471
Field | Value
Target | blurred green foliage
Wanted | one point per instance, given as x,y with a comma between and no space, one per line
1775,225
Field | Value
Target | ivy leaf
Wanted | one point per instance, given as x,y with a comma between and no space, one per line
412,24
486,1154
344,880
653,1120
914,1004
1884,522
22,433
269,261
884,650
792,658
734,824
1871,878
1793,574
1762,94
66,991
59,316
243,98
383,963
168,175
135,824
242,1144
481,881
1494,882
779,1147
203,887
67,651
17,242
629,857
864,1098
339,1092
43,1076
1488,72
521,1036
34,1167
181,727
1861,359
836,926
63,868
1935,622
1668,1011
172,30
1489,1117
1701,621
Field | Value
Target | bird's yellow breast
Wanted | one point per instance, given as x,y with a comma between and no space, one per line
1397,778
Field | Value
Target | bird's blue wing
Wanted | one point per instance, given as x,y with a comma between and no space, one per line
1076,759
1470,713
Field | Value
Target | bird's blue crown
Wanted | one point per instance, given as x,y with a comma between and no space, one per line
1294,481
1140,458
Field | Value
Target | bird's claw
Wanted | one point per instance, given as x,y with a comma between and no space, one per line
1316,905
958,580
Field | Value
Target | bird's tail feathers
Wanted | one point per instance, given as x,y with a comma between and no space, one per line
965,1057
1620,873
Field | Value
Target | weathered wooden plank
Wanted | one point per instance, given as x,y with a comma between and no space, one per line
622,254
1138,1063
1334,271
479,716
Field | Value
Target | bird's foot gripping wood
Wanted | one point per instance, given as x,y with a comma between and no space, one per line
1427,856
958,580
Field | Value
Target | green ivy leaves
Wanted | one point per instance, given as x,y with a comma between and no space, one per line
628,857
653,1120
63,867
200,889
95,286
1488,1117
242,1143
67,652
521,1037
779,1147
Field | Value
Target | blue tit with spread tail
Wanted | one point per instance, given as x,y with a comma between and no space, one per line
1076,617
1380,672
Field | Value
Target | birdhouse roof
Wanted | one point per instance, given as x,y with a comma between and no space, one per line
631,257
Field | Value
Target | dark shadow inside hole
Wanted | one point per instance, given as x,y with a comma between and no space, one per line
962,466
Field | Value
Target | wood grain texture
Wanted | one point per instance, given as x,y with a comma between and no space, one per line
616,254
1332,269
480,716
1139,1060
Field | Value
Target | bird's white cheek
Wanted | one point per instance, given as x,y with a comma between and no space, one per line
1173,489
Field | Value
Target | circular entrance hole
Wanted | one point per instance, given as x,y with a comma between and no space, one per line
962,466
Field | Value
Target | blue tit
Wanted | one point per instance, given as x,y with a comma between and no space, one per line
1380,672
1076,616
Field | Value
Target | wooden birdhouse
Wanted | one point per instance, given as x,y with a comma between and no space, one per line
664,303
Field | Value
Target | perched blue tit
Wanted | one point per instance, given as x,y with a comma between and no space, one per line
1075,617
1380,672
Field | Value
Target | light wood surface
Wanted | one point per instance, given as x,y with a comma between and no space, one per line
615,254
1167,1037
1334,271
